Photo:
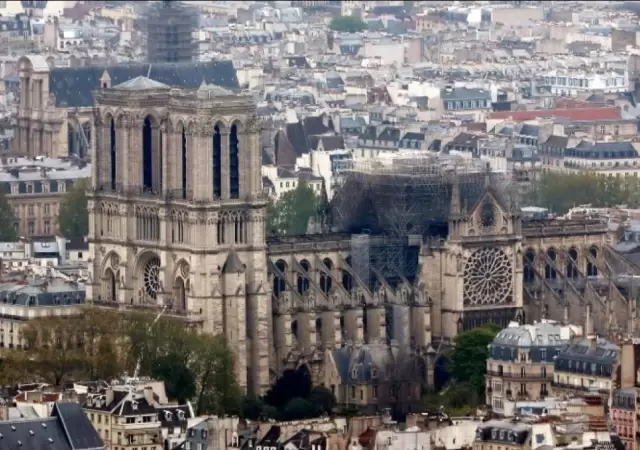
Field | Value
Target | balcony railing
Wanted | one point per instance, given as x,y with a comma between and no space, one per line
519,376
594,389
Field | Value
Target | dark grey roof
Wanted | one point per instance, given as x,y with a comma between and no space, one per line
41,294
463,93
603,150
174,416
603,352
530,130
233,264
356,364
68,428
541,334
77,426
74,86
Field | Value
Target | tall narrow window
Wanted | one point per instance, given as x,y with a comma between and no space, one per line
220,232
184,163
113,151
234,179
217,162
147,155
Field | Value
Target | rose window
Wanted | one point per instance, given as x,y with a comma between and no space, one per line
151,274
488,278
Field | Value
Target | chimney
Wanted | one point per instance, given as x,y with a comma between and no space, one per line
588,323
627,365
148,394
593,342
109,396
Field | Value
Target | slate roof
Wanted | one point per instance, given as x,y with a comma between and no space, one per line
175,416
605,352
360,362
74,86
603,150
68,428
541,334
39,294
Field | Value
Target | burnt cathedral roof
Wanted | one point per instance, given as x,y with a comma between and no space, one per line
74,86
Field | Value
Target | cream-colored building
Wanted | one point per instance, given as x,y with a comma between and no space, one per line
520,361
35,189
128,418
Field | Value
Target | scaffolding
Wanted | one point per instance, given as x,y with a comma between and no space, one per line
169,31
398,201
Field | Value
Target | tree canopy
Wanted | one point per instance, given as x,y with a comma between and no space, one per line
292,397
560,192
348,24
73,218
291,213
8,232
101,344
469,356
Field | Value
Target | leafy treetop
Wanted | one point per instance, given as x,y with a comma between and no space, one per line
291,213
348,24
469,356
101,344
74,215
7,220
560,192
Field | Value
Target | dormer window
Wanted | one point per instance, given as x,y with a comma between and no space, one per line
167,415
180,414
134,405
354,373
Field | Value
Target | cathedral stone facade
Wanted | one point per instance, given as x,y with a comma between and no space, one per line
177,224
177,214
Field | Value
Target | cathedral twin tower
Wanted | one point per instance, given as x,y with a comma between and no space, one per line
177,213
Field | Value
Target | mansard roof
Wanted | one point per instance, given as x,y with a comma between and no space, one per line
74,86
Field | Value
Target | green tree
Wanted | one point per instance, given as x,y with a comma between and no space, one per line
322,399
217,389
299,408
560,192
7,220
348,24
74,215
178,378
469,355
290,215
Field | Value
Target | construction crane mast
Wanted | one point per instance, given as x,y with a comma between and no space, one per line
136,371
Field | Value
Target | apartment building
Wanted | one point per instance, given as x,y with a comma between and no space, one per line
521,361
35,188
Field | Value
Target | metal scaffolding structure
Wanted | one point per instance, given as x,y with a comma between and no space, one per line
400,200
169,31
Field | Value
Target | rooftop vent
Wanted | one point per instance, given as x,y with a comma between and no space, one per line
44,425
31,433
13,428
50,441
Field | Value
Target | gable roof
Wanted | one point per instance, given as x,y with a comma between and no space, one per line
77,427
74,86
68,428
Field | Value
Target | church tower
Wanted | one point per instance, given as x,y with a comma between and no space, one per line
177,214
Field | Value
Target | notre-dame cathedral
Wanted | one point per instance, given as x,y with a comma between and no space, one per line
177,221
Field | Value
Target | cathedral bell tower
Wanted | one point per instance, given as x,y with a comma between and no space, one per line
177,214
